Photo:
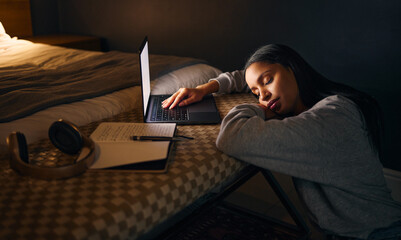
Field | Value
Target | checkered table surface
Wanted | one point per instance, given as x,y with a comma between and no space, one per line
112,204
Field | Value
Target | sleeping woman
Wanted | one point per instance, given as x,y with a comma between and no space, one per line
324,134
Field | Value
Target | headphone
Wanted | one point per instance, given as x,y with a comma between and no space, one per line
66,137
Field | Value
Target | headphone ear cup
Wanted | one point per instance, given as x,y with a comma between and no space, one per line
22,146
66,137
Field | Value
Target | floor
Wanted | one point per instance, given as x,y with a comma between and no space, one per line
256,195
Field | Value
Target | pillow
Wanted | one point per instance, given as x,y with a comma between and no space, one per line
3,35
2,30
189,77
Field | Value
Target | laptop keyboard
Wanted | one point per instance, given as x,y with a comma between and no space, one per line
163,114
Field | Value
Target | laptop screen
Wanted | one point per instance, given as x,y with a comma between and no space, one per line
145,75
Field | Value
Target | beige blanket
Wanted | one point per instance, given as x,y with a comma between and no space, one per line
26,89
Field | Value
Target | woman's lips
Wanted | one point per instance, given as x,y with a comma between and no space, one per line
273,104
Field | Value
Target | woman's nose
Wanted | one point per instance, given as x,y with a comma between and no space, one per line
264,95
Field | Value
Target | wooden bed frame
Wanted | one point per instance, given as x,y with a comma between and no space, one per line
15,15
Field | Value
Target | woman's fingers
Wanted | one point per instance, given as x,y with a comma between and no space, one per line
176,98
183,97
167,102
188,101
182,93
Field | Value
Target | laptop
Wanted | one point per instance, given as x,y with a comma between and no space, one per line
203,112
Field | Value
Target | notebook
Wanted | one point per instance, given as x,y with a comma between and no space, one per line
115,150
203,112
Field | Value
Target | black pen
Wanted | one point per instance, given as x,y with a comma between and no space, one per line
159,138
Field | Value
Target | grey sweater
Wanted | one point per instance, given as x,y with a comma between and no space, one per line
326,150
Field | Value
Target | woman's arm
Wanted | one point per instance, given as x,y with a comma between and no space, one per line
317,144
225,83
230,82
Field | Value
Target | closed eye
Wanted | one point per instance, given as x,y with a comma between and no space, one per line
269,81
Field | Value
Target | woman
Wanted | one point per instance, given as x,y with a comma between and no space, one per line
324,134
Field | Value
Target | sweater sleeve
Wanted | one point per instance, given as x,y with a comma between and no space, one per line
315,145
230,82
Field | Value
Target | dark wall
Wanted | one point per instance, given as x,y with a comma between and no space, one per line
353,42
45,16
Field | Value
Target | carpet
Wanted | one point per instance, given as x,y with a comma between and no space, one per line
223,222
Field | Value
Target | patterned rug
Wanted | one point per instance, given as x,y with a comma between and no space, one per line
226,223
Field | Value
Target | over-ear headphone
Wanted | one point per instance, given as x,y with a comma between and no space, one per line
66,137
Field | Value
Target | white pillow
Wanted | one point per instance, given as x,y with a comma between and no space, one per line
2,30
188,77
3,35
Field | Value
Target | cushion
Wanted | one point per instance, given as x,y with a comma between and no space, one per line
3,35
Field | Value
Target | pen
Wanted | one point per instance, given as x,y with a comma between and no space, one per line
160,138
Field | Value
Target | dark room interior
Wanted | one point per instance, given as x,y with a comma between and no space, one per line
351,42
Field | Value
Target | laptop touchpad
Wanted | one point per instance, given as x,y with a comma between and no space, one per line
202,106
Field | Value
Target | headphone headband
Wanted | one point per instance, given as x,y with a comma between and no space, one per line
25,168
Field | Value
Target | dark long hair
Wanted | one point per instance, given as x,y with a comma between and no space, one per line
313,86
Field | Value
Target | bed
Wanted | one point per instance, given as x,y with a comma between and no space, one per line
41,83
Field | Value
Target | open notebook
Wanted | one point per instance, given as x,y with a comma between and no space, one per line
115,149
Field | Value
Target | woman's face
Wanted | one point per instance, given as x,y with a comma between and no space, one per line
276,87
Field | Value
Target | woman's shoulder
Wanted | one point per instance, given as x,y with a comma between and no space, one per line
338,105
336,101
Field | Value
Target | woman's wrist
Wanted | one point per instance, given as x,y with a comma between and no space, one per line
209,87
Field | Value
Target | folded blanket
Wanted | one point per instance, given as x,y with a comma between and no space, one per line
26,89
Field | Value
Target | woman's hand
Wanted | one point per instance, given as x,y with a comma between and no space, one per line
185,96
269,114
